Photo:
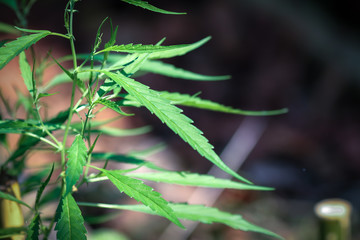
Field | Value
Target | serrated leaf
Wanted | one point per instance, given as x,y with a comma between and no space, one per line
42,187
14,48
194,179
156,51
116,132
199,213
179,51
26,72
170,70
125,159
34,227
150,7
139,48
12,198
26,142
70,223
173,118
194,101
77,155
112,105
41,95
139,191
17,126
210,215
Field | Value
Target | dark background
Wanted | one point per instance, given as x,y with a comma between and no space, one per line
303,55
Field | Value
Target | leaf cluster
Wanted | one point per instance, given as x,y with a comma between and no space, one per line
105,79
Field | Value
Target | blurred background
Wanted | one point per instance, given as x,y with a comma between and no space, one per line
303,55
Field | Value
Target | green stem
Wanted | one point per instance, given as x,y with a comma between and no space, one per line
42,139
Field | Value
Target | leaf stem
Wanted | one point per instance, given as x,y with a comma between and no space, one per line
42,139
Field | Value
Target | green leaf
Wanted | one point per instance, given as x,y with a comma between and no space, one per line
179,51
147,6
12,198
173,118
125,159
14,48
194,179
8,232
112,105
26,72
34,227
41,95
139,48
194,101
77,154
169,70
17,126
139,191
42,187
199,213
210,215
70,223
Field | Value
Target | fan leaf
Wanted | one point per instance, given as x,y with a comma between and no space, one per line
70,223
172,117
194,179
194,101
150,7
170,70
139,191
14,48
77,154
26,72
199,213
34,227
179,51
112,105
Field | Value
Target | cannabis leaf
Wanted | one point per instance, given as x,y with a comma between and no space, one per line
112,105
77,154
26,72
14,48
199,213
172,117
143,193
34,227
194,179
170,70
70,223
150,7
194,101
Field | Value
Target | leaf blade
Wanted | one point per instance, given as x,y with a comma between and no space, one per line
194,101
194,179
170,70
150,7
172,117
34,227
70,223
143,193
77,155
26,72
199,213
112,105
14,48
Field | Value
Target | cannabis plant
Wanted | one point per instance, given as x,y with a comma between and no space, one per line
102,79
